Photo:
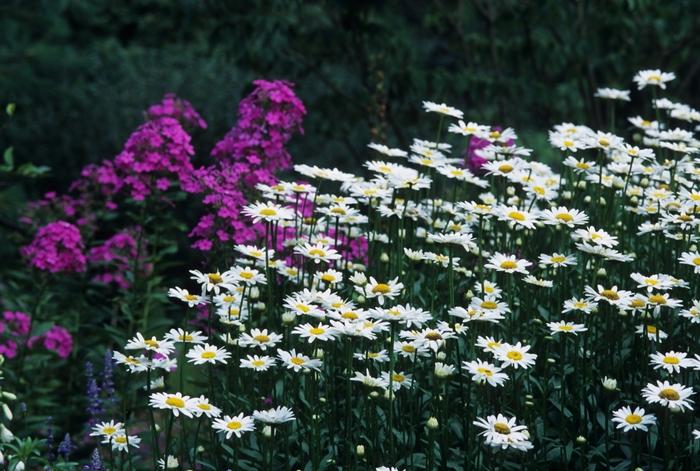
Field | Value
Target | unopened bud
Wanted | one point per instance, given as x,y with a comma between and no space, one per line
432,423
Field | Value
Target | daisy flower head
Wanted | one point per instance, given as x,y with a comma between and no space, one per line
176,402
213,281
163,347
654,78
637,419
257,363
595,236
657,282
669,395
692,313
566,327
298,361
185,296
516,356
260,338
107,429
579,304
202,406
612,94
183,336
692,259
507,263
517,217
317,252
397,380
255,252
651,332
442,108
484,372
386,150
370,381
134,364
275,415
489,344
557,260
122,442
201,354
670,361
503,432
268,212
541,282
234,425
247,275
310,332
381,291
611,295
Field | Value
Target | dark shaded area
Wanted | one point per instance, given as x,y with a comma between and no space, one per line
83,71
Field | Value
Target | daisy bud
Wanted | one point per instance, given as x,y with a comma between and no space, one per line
644,183
172,462
432,423
5,434
259,306
358,279
360,450
551,361
373,395
602,273
469,295
529,403
602,201
322,400
384,257
6,410
674,409
318,353
609,383
619,184
529,397
634,200
587,199
361,299
288,317
421,232
357,266
19,466
510,191
518,241
254,293
581,440
267,431
386,394
566,195
441,356
582,184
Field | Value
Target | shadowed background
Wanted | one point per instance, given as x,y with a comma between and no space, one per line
83,71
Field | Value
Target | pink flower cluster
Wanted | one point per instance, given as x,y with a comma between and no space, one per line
248,154
57,247
57,339
13,325
174,107
116,256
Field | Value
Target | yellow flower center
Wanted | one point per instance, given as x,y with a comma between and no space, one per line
501,428
566,217
174,401
582,165
151,343
109,430
505,168
215,278
303,308
566,328
568,143
669,360
338,210
297,361
204,406
317,330
654,78
234,425
191,297
433,335
408,348
603,142
558,259
317,253
327,277
349,315
489,305
633,419
657,299
208,355
381,288
247,275
610,294
651,329
262,338
637,302
120,439
669,394
399,378
517,215
696,261
514,355
509,265
485,371
258,363
268,212
495,134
